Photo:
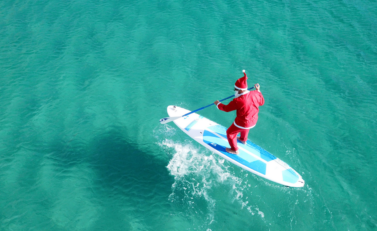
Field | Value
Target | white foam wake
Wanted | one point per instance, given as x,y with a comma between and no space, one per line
197,174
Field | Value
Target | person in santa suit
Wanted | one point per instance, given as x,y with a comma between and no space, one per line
247,105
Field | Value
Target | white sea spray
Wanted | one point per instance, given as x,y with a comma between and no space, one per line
197,173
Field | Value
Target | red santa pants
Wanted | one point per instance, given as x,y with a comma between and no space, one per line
232,135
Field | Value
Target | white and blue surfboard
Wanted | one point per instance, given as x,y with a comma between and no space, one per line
251,157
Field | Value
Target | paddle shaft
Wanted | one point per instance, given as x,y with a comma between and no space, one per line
211,104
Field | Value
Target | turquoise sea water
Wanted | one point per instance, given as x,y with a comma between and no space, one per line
85,82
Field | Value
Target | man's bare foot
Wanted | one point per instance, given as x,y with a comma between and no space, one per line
231,151
241,140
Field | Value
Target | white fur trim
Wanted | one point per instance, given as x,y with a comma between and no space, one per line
239,88
241,127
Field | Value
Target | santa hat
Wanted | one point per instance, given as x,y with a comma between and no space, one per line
241,83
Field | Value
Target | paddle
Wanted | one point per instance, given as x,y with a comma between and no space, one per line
169,119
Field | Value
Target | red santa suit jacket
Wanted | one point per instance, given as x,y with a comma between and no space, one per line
247,106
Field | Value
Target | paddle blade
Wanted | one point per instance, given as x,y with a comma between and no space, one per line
169,119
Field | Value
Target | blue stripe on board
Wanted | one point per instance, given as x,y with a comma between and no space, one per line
192,123
243,158
251,147
221,130
290,176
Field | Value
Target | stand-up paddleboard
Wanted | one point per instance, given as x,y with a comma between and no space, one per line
251,157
